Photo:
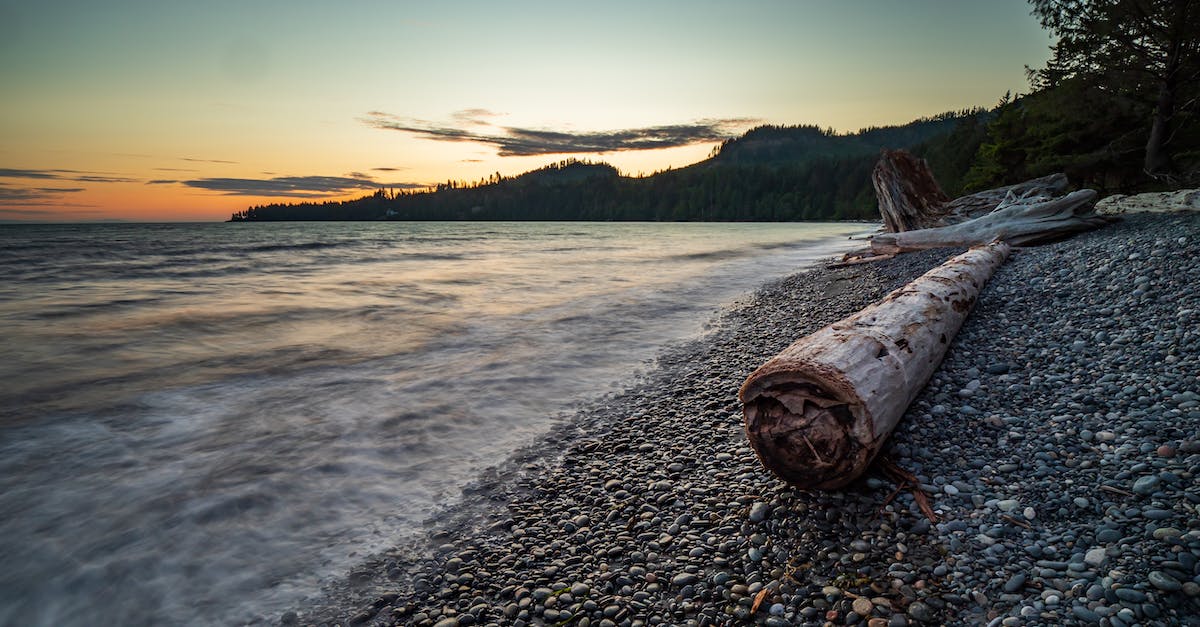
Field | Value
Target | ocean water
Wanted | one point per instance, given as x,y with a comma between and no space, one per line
202,423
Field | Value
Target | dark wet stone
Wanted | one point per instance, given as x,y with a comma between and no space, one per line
1015,583
920,611
1163,581
1086,615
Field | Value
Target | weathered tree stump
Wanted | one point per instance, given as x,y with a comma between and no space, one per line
819,412
909,197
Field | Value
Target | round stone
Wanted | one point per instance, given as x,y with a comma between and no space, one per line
1146,486
684,579
1163,581
1015,583
919,611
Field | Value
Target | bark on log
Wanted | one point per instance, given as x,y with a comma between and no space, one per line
819,412
909,197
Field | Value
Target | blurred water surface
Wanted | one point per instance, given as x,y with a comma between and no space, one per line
200,423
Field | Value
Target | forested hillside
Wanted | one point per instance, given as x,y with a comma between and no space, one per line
772,173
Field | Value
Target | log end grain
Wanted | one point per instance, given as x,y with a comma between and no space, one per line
807,435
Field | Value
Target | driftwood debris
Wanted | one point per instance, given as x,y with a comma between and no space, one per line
1151,202
819,412
1018,221
917,215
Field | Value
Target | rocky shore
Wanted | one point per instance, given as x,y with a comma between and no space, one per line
1059,443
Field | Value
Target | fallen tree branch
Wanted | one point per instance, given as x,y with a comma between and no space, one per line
905,480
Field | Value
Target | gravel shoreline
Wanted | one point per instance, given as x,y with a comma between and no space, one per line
1060,440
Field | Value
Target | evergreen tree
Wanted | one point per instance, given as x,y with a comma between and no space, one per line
1143,51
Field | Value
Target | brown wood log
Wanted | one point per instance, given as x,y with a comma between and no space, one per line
909,197
817,413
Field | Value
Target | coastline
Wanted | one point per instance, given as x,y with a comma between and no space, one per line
649,507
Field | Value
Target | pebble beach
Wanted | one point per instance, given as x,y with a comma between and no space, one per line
1058,443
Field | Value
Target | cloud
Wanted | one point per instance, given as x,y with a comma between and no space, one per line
475,117
294,186
23,196
387,169
522,142
11,173
161,181
37,191
64,175
9,194
91,178
206,160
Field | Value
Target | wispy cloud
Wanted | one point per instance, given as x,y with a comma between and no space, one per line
295,186
9,195
92,178
34,195
32,186
472,125
11,173
194,160
64,175
161,181
474,117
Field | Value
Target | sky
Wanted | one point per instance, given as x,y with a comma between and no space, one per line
165,110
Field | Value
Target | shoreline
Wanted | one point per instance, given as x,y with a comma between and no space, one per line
648,505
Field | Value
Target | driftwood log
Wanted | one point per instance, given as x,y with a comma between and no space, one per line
1019,221
819,412
917,215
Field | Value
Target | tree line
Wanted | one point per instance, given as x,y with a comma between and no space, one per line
771,173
